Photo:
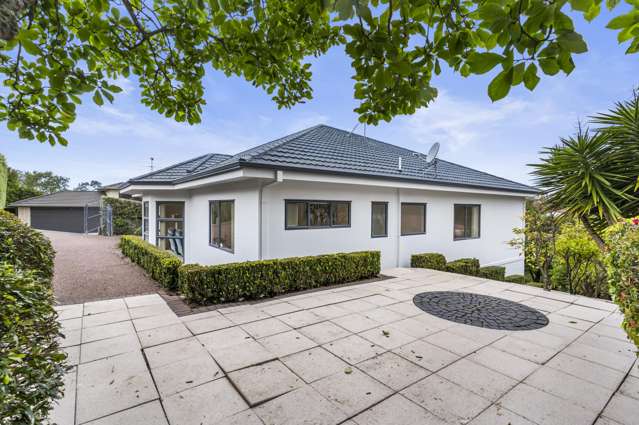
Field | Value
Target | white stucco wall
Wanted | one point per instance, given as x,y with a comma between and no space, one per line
499,215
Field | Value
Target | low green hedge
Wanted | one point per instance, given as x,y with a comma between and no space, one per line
515,278
267,278
493,272
32,365
24,247
468,266
428,260
622,263
161,265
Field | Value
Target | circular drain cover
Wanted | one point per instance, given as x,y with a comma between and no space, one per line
480,310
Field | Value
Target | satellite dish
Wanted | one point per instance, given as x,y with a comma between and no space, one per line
432,153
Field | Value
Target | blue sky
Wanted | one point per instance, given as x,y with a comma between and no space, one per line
114,142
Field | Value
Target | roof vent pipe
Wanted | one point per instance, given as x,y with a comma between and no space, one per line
399,164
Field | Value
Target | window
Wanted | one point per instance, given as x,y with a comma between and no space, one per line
170,227
222,217
145,220
467,221
413,219
379,219
317,214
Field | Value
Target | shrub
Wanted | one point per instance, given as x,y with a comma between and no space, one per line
267,278
429,260
468,266
622,262
493,272
31,362
578,264
161,265
24,247
127,216
515,278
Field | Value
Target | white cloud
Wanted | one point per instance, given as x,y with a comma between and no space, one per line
459,123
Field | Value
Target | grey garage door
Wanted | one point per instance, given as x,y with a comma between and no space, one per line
69,219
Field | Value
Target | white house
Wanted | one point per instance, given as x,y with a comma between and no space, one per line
325,190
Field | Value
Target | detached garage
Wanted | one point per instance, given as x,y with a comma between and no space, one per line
62,211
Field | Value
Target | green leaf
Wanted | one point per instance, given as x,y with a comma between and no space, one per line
480,63
572,42
491,12
549,66
518,73
623,21
500,85
97,98
530,77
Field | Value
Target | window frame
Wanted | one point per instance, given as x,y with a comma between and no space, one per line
211,243
159,220
465,238
308,202
385,204
401,218
145,220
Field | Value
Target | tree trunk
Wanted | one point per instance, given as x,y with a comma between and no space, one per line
593,233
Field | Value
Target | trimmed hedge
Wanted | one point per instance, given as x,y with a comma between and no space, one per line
467,266
161,265
622,263
493,272
515,278
4,174
32,365
24,247
267,278
428,260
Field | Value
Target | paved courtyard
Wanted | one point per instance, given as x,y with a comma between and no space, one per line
357,355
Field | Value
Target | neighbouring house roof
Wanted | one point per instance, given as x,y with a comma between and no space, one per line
326,149
113,186
66,198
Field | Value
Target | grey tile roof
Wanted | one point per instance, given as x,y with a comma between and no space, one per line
67,198
330,150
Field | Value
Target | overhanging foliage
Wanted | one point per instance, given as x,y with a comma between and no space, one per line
56,51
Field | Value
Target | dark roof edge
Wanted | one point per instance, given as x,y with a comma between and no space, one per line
248,164
167,168
15,204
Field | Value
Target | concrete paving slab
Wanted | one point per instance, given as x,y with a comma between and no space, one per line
445,399
393,371
263,382
426,355
109,347
195,406
497,415
351,392
588,371
171,352
353,349
480,380
223,338
285,410
314,364
209,324
266,327
157,336
113,384
397,410
150,413
356,322
622,409
287,343
249,353
453,342
525,349
324,332
188,373
543,408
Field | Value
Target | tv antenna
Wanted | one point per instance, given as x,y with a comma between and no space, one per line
151,166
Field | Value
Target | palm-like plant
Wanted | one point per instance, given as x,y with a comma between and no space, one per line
588,177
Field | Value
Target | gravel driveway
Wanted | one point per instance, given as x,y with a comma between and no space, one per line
90,267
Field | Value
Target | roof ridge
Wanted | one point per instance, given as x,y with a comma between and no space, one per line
276,143
199,164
